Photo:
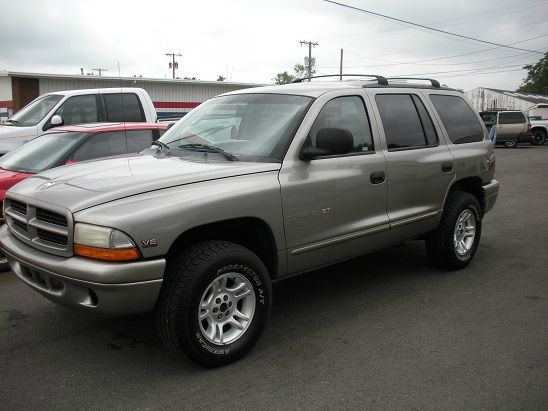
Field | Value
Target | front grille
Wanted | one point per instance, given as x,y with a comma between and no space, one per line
47,228
18,206
21,226
51,217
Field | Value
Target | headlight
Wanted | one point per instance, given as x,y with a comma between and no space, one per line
103,243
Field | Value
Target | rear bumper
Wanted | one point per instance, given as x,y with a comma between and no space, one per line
66,281
490,194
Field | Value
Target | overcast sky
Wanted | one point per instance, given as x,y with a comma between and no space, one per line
251,41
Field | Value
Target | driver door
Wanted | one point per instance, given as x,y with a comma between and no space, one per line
334,206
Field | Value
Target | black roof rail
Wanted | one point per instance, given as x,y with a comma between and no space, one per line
380,79
435,83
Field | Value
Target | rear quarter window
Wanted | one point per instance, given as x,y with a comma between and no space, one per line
457,117
513,117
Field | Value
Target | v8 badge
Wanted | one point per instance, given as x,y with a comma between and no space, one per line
149,243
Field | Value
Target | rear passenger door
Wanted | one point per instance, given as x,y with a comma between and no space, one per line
419,164
123,107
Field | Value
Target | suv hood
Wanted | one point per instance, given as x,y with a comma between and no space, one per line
83,185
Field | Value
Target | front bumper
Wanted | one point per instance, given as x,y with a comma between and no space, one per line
95,287
490,194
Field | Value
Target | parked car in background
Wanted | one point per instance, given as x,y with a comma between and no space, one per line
539,110
512,126
75,107
70,144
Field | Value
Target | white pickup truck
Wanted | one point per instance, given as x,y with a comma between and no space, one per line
75,107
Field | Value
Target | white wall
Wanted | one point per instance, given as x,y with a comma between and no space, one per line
5,97
484,99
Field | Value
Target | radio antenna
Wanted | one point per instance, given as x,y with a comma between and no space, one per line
123,108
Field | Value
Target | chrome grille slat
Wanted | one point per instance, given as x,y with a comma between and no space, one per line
46,227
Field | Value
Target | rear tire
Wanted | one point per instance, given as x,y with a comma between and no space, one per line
214,302
454,243
539,137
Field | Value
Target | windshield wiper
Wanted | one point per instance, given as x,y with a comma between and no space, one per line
207,148
9,120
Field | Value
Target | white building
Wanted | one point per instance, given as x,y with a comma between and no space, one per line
489,98
170,97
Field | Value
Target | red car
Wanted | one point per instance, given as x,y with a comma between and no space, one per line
69,144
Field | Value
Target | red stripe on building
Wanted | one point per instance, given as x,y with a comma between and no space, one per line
176,104
6,104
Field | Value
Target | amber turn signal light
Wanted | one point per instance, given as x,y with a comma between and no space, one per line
123,254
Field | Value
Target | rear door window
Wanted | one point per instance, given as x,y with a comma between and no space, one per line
459,120
406,122
79,110
123,107
513,117
106,144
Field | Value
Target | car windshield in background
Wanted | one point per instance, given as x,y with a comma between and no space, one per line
41,153
33,113
251,127
488,117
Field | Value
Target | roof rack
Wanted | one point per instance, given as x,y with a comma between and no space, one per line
435,83
380,79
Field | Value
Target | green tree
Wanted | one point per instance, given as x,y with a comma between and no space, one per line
221,78
300,71
283,78
537,77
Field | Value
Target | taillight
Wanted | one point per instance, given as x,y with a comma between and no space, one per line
529,127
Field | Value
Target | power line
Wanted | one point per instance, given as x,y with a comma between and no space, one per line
425,27
449,57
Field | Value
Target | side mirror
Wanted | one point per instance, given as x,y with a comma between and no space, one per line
329,141
56,120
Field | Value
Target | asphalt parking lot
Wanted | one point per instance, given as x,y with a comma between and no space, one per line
385,331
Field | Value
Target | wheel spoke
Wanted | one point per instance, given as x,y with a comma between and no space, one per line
239,314
232,321
204,313
243,294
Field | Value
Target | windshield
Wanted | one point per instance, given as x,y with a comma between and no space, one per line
41,153
33,113
250,127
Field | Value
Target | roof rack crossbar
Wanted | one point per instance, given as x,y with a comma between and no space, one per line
435,83
380,79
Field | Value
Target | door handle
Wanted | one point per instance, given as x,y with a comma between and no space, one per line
377,177
447,167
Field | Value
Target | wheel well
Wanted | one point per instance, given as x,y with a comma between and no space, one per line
472,185
249,232
538,128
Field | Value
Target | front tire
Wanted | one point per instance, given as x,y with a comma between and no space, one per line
214,303
454,243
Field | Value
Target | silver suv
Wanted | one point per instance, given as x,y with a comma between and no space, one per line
252,186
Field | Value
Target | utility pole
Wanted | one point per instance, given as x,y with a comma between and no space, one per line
173,65
310,44
100,70
341,64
